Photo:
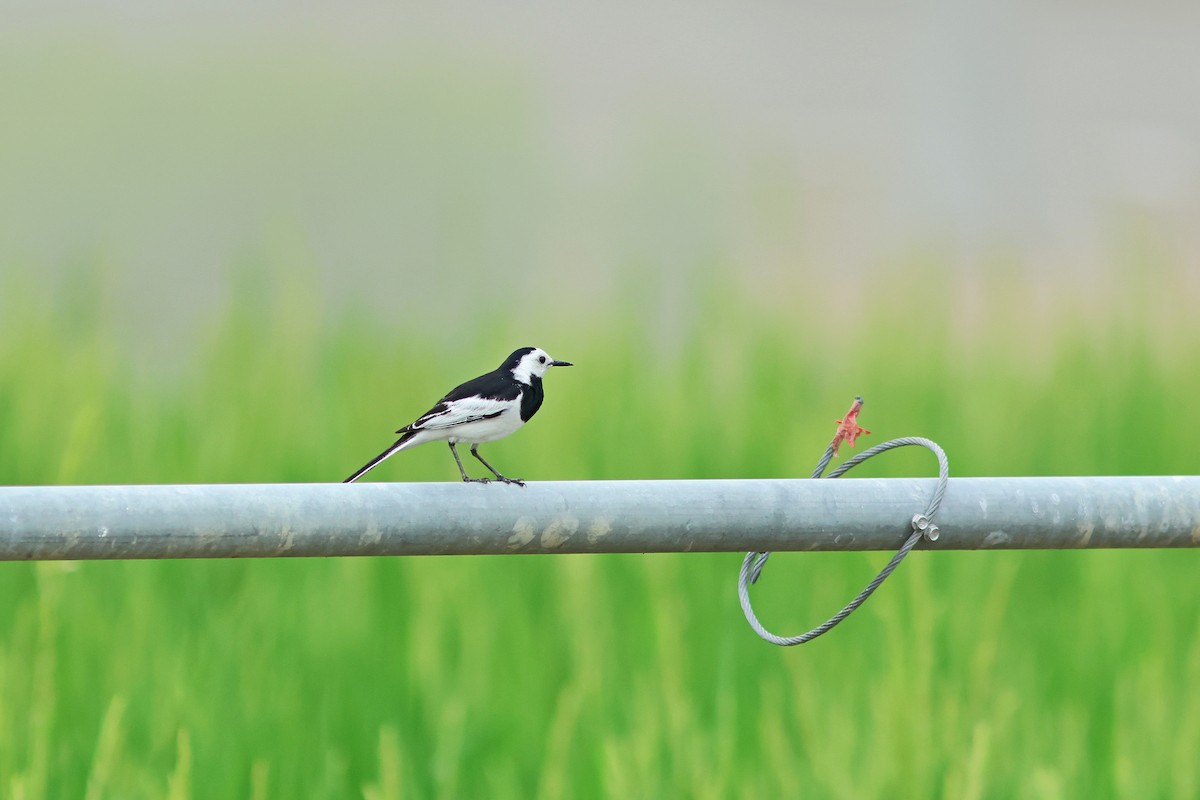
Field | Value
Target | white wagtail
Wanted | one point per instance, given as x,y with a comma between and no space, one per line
485,409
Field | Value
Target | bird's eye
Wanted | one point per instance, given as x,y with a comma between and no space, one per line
541,359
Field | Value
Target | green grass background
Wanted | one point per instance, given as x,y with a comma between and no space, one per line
968,675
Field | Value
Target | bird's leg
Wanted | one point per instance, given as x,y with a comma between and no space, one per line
499,477
457,460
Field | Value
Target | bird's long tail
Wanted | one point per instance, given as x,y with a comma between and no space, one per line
379,459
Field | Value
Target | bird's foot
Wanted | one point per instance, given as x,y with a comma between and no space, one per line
503,479
477,480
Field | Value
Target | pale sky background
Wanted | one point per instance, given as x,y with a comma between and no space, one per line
420,158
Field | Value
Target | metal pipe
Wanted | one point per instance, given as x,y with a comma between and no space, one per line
268,520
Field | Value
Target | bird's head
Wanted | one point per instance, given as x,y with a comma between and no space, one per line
531,362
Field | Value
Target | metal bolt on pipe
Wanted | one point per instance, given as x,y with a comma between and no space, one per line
375,519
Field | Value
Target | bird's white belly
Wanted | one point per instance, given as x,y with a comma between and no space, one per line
486,430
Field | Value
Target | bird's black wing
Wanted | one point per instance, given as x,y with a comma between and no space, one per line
480,398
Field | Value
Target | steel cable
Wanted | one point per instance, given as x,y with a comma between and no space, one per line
922,527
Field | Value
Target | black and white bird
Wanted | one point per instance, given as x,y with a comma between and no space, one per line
485,409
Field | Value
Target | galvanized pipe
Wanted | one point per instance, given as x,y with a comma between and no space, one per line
269,520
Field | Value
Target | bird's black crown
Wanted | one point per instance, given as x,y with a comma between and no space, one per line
511,362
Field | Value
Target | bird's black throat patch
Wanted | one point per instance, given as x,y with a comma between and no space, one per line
531,398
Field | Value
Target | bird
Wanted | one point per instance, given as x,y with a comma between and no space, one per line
481,410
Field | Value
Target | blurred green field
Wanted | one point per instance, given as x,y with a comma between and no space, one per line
968,675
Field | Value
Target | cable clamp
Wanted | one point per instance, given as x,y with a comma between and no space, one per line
923,525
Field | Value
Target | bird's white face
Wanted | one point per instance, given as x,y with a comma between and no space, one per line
535,364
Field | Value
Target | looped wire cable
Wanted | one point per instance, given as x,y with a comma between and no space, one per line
922,527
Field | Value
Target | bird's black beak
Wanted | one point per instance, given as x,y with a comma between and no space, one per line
561,364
